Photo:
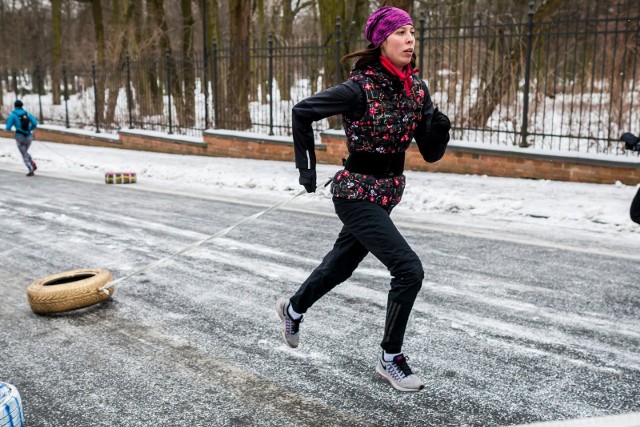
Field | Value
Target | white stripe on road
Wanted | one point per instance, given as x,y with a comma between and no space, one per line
625,420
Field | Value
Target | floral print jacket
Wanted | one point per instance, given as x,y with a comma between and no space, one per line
390,119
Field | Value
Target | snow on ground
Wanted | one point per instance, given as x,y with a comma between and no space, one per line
458,200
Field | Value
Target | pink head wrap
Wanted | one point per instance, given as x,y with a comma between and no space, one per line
383,22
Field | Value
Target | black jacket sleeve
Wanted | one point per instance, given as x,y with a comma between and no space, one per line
346,98
431,142
635,208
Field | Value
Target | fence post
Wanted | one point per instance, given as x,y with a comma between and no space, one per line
421,52
39,85
527,77
95,95
338,66
215,84
168,78
270,44
127,61
66,96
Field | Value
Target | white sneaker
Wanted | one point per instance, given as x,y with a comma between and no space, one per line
398,373
290,327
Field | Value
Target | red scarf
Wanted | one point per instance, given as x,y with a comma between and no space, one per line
404,76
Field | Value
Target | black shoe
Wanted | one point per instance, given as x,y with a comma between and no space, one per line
31,174
34,166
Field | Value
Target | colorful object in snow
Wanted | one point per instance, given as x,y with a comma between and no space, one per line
120,178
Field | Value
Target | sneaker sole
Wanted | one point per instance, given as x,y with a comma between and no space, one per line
395,385
281,315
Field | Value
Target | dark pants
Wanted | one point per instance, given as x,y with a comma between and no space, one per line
635,208
24,142
368,228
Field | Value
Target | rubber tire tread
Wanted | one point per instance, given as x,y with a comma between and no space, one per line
69,296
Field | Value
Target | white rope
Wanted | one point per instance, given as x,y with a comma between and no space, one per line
60,155
198,243
193,245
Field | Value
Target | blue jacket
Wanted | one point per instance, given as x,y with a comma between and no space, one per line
14,120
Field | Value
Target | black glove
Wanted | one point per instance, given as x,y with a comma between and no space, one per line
631,142
440,122
308,179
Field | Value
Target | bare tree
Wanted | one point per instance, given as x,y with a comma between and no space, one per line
401,4
56,49
186,113
284,74
98,27
508,71
236,107
157,29
330,11
116,57
212,31
260,38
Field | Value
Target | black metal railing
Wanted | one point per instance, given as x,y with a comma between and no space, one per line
567,83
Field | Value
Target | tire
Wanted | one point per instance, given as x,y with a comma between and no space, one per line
10,406
69,290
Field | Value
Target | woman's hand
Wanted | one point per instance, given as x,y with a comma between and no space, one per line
308,178
440,122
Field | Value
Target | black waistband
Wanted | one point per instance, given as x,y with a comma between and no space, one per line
376,164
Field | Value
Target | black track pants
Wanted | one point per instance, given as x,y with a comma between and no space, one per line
368,228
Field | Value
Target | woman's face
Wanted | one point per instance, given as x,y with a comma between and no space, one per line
398,47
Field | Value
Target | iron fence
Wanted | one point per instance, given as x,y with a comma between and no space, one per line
571,83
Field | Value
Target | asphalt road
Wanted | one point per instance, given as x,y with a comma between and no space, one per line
503,332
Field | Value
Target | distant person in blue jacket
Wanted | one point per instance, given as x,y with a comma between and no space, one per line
24,122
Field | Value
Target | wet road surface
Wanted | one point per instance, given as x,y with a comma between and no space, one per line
503,332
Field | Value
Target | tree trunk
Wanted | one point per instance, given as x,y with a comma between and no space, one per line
145,80
98,28
237,114
186,114
314,63
149,87
330,10
259,69
507,72
213,33
353,23
114,82
401,4
284,74
56,51
174,86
